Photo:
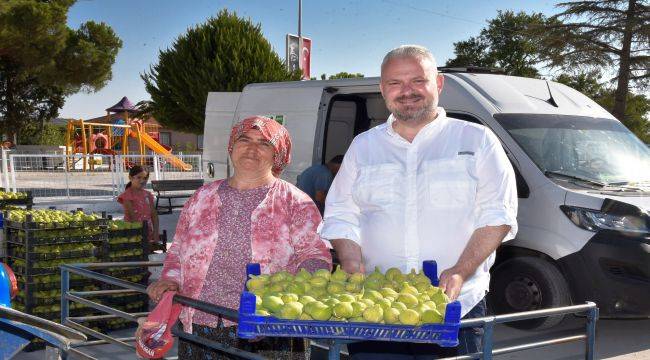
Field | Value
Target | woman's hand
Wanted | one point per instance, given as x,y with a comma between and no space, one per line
157,289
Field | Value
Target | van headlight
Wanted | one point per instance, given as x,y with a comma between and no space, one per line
594,220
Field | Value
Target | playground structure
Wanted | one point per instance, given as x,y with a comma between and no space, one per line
112,136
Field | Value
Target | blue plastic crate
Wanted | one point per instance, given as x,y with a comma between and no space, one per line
251,325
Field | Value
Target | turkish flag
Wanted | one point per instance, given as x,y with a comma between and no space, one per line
305,58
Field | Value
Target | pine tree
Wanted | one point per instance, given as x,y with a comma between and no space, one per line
603,34
224,54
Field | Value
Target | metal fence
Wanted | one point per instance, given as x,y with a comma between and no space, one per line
334,346
86,176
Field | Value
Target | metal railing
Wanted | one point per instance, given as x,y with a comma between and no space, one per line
335,346
63,176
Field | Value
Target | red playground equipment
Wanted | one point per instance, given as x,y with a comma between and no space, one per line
111,137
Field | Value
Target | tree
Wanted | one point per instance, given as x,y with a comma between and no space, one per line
587,83
47,134
602,34
42,61
503,44
636,112
224,54
341,75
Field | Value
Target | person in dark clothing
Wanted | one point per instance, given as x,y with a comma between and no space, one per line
315,181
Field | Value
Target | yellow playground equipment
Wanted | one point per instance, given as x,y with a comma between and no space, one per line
108,138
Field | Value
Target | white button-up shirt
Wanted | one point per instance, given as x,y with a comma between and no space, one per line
404,203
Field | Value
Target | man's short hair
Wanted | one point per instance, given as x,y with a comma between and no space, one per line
338,159
409,51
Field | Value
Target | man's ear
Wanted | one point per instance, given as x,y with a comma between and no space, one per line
440,82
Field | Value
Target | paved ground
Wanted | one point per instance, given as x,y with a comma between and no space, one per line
616,339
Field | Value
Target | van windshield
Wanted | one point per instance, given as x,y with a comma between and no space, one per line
598,150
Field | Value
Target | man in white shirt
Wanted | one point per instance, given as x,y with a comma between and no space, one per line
422,186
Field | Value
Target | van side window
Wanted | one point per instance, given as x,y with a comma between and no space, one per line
523,191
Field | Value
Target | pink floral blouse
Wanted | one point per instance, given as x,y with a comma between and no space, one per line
283,236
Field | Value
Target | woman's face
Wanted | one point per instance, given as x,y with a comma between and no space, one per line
252,152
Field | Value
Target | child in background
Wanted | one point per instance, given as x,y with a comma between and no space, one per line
138,203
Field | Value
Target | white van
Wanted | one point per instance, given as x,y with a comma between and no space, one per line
583,179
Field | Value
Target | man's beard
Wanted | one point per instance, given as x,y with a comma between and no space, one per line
423,113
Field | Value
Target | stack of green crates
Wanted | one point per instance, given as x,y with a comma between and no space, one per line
37,242
127,242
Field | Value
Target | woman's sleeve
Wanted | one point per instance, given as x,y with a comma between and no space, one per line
307,244
172,266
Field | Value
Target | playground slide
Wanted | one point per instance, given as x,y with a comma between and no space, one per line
154,145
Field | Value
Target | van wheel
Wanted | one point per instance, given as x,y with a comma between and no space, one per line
525,284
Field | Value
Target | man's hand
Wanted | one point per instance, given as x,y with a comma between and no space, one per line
349,254
484,241
451,282
157,289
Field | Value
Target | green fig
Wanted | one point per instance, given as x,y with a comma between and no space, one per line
431,316
376,275
319,311
272,303
357,278
388,292
291,310
398,305
358,308
318,281
335,288
323,273
306,299
256,282
391,315
374,314
409,317
339,275
392,273
346,298
288,297
302,275
343,310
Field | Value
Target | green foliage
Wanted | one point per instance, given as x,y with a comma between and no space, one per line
42,60
341,75
587,39
48,134
609,35
587,83
224,54
637,112
503,44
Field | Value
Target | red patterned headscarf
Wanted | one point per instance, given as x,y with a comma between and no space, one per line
273,132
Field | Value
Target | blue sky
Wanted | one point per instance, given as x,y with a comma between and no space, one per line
347,36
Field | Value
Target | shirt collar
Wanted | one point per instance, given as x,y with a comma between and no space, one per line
428,130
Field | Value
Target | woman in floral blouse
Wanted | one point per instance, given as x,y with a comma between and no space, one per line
252,216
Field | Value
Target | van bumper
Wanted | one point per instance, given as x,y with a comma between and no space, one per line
612,270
